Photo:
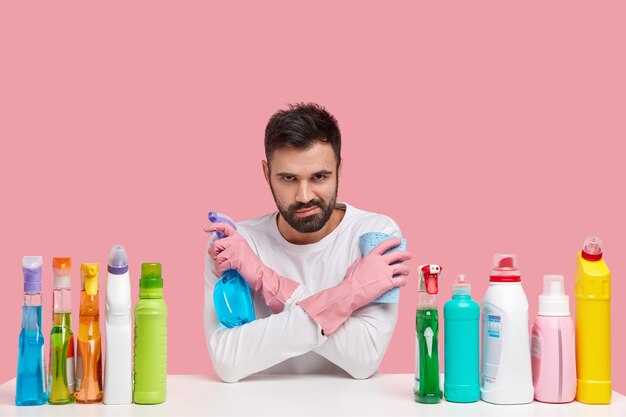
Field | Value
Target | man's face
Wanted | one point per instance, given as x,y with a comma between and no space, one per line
304,185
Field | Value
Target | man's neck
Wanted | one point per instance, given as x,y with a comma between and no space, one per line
293,236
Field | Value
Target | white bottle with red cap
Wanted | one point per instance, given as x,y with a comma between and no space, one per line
506,366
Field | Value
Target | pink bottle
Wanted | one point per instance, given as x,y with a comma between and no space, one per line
553,354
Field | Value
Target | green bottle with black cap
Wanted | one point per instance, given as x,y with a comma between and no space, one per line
150,338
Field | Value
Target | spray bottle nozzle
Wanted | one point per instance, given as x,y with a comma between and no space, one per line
215,217
429,278
89,277
32,267
62,263
61,268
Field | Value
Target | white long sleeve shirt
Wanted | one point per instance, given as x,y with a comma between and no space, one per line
290,341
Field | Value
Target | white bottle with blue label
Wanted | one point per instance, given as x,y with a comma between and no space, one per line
506,372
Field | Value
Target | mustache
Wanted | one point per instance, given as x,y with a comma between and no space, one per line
302,206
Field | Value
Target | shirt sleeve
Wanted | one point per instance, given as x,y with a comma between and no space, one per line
359,345
253,347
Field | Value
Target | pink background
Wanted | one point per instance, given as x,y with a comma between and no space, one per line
479,127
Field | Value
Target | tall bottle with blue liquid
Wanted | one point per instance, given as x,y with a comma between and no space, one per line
461,317
427,388
61,374
231,295
30,387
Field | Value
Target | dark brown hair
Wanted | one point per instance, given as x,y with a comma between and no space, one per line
300,126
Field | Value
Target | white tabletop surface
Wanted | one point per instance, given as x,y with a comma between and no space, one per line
301,395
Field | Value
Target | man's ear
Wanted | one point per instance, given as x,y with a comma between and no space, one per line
339,168
266,171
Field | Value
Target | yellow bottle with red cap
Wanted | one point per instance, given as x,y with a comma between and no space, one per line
593,324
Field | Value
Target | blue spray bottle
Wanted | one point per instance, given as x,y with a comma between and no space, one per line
231,296
31,375
461,345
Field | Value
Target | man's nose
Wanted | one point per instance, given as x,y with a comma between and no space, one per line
304,194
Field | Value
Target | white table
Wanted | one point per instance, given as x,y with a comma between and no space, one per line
295,395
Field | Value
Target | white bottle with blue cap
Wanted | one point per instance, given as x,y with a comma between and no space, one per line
118,368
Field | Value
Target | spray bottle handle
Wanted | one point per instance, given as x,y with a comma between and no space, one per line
215,217
429,277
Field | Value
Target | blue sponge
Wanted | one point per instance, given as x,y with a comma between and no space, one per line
369,241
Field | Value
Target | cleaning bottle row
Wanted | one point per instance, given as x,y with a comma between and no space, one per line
556,363
81,380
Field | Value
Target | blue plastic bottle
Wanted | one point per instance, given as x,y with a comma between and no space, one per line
461,345
31,375
231,296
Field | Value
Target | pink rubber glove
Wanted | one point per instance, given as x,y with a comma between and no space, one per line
365,280
233,252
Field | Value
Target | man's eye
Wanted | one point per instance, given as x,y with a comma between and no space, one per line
319,177
287,178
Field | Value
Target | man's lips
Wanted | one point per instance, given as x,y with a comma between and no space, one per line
307,211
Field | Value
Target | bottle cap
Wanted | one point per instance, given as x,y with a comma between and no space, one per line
118,260
32,267
505,269
151,276
592,249
61,267
89,278
461,286
553,301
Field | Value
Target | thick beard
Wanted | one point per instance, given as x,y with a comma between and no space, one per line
308,224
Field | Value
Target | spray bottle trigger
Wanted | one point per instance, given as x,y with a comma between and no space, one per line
432,284
215,217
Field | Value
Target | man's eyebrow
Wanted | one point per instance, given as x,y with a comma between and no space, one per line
289,174
285,174
323,172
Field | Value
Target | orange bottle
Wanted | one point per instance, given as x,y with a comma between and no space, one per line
89,360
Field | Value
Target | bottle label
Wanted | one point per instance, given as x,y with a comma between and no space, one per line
70,365
428,335
44,381
425,346
535,352
70,374
417,363
79,371
492,345
150,353
49,382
